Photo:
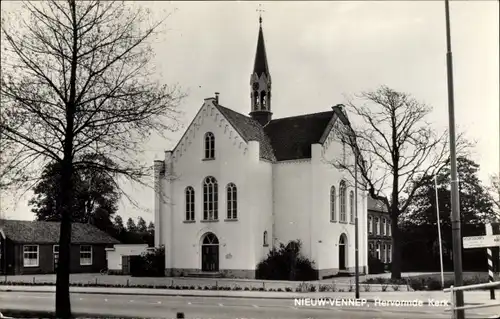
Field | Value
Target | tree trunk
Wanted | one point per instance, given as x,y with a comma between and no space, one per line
63,305
396,249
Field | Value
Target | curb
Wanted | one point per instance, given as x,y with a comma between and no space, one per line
120,293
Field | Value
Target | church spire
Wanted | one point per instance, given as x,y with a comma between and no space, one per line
260,66
260,81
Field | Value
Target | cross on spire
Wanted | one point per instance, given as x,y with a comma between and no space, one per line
260,10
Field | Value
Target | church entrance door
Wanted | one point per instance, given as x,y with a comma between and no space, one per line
210,253
342,252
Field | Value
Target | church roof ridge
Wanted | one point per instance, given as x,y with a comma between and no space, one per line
281,118
302,115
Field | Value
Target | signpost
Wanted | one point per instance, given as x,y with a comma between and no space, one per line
481,241
489,231
487,242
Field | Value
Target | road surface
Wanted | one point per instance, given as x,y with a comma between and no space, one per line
217,308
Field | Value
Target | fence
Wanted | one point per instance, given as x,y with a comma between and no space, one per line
452,290
335,285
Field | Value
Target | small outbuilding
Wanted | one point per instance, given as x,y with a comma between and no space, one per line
32,247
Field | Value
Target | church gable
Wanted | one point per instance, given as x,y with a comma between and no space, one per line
338,122
208,112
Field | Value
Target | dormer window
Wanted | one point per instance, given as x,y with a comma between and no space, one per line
209,145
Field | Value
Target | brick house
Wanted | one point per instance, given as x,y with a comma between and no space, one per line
31,247
379,231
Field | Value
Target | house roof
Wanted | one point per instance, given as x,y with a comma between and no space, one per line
281,139
41,232
376,205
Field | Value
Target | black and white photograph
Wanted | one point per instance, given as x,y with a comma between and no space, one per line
250,160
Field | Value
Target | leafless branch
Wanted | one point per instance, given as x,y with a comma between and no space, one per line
117,105
396,144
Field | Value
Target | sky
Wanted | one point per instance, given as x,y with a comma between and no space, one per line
319,52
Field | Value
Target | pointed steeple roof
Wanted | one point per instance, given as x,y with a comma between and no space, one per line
260,67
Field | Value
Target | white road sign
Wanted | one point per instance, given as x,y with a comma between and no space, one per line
481,241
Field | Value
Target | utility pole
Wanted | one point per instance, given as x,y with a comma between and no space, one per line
356,226
455,205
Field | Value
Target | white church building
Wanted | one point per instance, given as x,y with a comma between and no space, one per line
237,185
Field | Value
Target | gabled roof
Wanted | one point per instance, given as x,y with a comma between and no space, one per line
291,137
41,232
376,205
288,138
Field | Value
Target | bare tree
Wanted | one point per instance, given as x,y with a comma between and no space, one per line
78,86
398,152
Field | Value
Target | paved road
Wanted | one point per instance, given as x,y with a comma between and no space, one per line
211,308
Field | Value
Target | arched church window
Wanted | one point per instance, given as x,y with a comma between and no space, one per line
343,199
209,145
263,100
232,212
210,199
333,201
189,203
265,239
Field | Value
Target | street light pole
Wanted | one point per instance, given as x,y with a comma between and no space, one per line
439,232
356,231
455,205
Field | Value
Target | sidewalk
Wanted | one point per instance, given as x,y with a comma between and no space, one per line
427,297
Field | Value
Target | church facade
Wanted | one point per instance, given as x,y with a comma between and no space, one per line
235,186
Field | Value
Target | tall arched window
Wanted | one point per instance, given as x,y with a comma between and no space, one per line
342,196
383,227
209,145
377,226
351,205
232,212
370,224
210,199
189,203
333,202
265,239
